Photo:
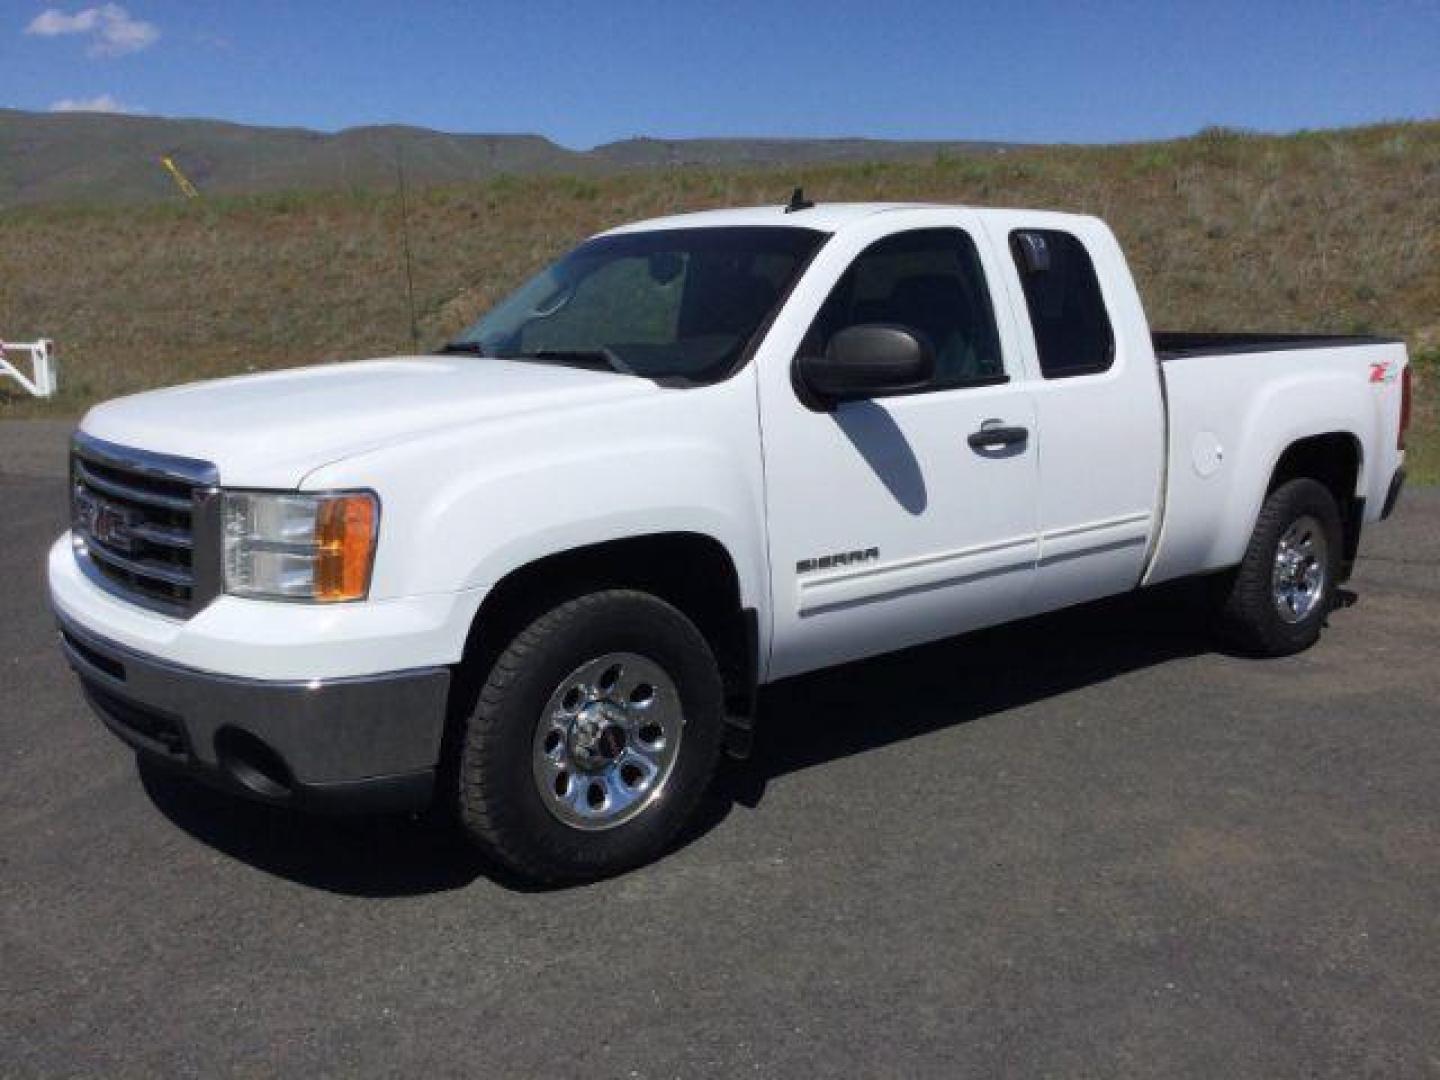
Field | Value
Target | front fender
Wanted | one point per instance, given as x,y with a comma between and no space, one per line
461,509
617,493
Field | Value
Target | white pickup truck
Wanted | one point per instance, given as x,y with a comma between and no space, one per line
541,576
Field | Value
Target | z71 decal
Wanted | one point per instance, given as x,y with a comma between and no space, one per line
1382,371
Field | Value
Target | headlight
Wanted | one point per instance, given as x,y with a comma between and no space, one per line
290,546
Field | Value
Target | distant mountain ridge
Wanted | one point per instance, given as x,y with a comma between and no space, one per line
98,157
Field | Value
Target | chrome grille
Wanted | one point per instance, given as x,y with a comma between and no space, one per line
146,525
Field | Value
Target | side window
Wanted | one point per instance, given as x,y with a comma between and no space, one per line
931,281
1067,312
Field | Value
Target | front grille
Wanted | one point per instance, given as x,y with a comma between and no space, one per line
142,522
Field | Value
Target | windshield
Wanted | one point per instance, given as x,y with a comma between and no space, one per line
674,303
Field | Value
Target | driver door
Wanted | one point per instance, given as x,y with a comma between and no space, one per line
888,524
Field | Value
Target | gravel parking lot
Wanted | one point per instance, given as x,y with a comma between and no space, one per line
1086,845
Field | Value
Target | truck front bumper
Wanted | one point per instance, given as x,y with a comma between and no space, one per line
368,744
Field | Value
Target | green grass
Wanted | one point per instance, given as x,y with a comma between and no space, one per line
1324,231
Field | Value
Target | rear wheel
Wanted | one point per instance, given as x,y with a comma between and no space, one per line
593,740
1276,602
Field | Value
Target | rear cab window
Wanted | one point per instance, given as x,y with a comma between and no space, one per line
1067,310
931,282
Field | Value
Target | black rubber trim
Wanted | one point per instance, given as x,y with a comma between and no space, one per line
395,794
741,703
1177,344
1397,484
1352,521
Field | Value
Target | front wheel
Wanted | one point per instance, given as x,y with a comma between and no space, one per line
1276,602
593,739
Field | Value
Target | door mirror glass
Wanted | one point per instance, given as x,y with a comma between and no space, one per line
870,360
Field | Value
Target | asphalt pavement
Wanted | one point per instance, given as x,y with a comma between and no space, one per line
1088,845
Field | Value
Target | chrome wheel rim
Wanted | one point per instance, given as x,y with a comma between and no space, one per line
1298,580
607,741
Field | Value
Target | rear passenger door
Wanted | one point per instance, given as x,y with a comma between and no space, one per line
1097,399
888,526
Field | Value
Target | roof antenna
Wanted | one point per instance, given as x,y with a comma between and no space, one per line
798,201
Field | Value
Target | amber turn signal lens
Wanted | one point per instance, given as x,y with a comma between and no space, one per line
345,547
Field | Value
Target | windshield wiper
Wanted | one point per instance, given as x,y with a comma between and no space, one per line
599,358
467,348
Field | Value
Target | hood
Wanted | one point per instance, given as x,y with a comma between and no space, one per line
272,429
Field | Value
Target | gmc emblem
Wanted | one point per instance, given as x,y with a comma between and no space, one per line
106,523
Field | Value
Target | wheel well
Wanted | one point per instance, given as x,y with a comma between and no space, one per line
688,570
1333,460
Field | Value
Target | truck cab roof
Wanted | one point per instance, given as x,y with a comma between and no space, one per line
825,217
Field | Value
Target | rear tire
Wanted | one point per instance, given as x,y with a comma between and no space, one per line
593,740
1275,603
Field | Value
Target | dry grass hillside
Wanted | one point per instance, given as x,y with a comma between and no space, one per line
106,158
1334,230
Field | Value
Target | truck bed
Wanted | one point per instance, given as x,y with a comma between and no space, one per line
1236,402
1170,344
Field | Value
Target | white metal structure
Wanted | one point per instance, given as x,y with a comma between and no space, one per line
42,380
826,532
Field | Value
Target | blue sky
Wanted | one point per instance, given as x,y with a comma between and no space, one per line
583,73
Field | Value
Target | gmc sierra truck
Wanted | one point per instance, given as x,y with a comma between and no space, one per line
540,576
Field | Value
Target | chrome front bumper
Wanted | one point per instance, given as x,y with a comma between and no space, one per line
351,744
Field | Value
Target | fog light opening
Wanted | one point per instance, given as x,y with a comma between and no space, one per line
250,762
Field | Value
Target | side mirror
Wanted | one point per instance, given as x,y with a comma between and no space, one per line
869,361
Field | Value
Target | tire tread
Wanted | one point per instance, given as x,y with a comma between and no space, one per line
1245,615
487,818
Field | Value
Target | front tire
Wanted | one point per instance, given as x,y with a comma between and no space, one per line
593,740
1276,602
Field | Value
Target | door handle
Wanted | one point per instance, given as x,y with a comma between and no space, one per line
993,434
